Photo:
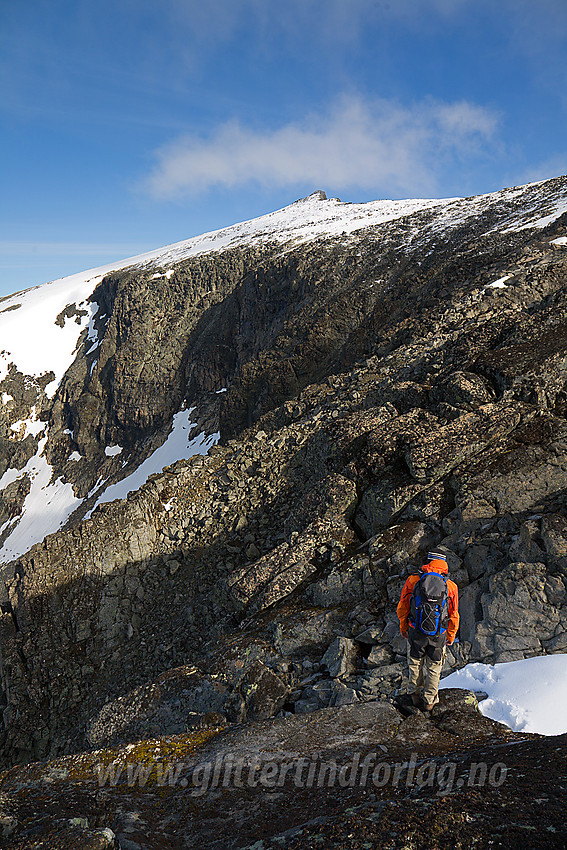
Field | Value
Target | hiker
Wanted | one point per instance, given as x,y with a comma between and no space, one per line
428,612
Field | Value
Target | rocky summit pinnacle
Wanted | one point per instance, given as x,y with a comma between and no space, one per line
219,462
318,195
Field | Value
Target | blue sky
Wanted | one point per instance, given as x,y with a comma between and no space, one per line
130,124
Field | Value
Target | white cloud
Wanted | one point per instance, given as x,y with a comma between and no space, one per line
379,144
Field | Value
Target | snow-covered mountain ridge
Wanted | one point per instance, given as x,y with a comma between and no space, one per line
46,329
35,343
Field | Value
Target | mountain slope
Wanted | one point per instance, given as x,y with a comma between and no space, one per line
397,387
59,365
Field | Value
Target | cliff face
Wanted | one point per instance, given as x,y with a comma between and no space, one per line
393,387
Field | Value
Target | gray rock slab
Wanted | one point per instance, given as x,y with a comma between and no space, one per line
340,657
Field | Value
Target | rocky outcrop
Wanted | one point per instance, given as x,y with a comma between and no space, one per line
184,700
522,613
275,576
341,774
434,455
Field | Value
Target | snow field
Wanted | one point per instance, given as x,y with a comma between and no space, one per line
49,504
176,447
528,695
46,508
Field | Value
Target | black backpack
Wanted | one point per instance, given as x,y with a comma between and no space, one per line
429,605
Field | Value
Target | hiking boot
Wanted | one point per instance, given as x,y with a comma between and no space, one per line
428,706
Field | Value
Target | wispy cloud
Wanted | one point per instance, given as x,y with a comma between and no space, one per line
379,145
323,18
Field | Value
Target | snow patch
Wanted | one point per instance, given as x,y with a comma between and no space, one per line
10,476
528,219
562,241
176,447
6,397
112,451
31,339
5,525
46,508
498,284
97,486
527,695
24,427
168,274
75,456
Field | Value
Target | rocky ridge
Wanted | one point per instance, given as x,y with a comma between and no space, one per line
381,399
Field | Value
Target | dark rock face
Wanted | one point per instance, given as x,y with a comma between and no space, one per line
381,401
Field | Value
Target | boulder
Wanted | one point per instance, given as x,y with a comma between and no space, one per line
428,506
557,644
343,695
340,657
555,590
379,655
517,601
524,547
307,629
343,584
177,700
457,571
524,482
410,538
385,671
183,699
370,636
273,577
263,691
480,559
470,610
307,704
463,389
457,714
473,511
392,636
334,497
381,502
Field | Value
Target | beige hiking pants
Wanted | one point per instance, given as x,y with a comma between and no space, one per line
424,675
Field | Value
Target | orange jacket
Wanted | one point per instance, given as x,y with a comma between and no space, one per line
435,566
